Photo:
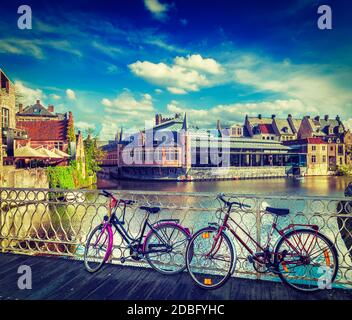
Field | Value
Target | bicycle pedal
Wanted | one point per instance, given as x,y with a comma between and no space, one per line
250,259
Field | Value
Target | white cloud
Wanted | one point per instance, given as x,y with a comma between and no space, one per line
315,87
28,96
176,90
157,9
106,102
186,74
110,51
35,47
197,62
55,96
348,124
108,130
236,112
84,126
127,110
71,95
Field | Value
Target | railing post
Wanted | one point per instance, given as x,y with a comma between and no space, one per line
258,230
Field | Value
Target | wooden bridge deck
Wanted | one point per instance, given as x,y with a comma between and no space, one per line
62,279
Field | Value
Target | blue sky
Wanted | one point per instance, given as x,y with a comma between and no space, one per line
118,63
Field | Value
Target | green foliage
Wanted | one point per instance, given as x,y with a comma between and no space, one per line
94,155
345,170
61,177
70,177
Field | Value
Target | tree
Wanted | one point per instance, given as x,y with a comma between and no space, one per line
94,155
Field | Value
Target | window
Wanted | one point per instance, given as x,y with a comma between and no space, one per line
324,159
58,145
323,148
340,161
314,148
5,118
272,138
314,159
340,150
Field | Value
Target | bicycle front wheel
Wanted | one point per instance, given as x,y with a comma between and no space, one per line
96,250
306,260
165,248
210,261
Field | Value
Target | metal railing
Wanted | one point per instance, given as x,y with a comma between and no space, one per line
57,222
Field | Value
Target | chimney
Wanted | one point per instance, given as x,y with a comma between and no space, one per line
158,119
218,125
259,116
338,118
273,116
51,108
290,115
317,118
38,101
20,107
326,117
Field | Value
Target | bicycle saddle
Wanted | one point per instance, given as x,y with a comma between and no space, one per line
277,211
150,209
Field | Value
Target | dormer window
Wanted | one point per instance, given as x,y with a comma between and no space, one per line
337,140
285,129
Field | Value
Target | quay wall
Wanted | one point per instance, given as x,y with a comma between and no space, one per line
194,173
23,178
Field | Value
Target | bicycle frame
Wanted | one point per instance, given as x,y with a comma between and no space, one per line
127,238
281,232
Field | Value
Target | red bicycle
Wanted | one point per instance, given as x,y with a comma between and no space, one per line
303,258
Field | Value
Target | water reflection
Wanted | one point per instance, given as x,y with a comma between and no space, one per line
309,186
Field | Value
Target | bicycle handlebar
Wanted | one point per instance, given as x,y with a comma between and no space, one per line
108,194
228,203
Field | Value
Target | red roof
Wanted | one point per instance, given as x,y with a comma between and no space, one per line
266,128
313,140
45,130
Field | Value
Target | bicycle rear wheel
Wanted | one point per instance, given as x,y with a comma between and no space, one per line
311,266
210,262
96,250
165,248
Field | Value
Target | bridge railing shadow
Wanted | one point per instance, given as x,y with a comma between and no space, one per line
57,222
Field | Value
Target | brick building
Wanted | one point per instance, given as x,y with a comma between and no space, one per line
38,112
8,131
47,134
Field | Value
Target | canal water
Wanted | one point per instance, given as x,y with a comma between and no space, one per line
309,186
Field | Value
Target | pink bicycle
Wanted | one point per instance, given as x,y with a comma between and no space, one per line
163,247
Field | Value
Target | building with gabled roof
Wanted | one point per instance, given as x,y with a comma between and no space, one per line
38,112
332,131
273,128
49,134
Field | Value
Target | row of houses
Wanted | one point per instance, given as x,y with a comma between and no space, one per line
173,149
35,136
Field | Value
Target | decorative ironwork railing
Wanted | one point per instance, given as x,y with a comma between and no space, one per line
57,222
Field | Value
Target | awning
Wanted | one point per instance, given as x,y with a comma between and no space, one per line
28,152
61,153
48,154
